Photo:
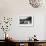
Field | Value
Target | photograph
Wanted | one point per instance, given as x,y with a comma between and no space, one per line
25,21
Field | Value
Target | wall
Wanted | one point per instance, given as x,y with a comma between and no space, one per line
45,29
23,33
14,8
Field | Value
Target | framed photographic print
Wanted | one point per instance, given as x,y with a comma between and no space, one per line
25,20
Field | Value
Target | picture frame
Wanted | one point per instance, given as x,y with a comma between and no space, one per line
25,20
